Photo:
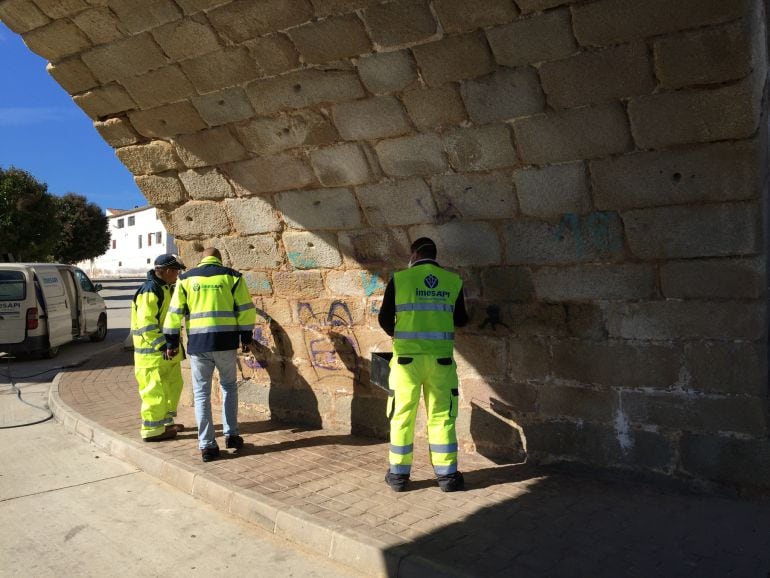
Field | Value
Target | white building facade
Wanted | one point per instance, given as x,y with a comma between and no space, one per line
137,238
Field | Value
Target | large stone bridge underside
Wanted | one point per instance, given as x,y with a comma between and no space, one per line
595,170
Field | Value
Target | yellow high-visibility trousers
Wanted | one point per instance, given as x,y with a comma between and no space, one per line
437,378
160,388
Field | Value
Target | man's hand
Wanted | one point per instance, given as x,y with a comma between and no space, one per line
169,354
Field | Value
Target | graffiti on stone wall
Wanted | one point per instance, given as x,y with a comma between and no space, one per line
371,283
449,212
493,318
331,345
262,344
257,285
301,261
596,232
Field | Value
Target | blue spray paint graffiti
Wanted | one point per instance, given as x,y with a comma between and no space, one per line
371,283
302,261
596,232
257,284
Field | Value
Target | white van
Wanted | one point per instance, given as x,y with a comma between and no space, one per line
45,305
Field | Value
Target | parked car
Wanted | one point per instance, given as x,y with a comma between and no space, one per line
45,305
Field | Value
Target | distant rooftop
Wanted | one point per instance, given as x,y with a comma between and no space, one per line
116,212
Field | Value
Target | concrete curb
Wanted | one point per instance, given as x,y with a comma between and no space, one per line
343,545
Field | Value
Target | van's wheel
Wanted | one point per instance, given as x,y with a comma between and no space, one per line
51,352
101,329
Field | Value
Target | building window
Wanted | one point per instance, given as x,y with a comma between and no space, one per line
158,238
114,243
120,223
140,241
131,221
148,261
149,239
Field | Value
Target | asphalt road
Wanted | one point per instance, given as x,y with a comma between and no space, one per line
32,375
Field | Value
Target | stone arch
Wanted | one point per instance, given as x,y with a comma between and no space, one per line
594,169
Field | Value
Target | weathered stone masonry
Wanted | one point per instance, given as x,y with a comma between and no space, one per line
594,169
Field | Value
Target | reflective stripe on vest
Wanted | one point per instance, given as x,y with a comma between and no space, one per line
430,335
212,314
213,329
144,329
424,307
425,296
148,311
145,351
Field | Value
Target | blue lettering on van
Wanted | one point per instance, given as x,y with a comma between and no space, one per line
7,306
51,280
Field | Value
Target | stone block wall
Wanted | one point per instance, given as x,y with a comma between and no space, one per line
595,170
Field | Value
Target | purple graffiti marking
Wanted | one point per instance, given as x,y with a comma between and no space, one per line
252,363
259,336
324,353
323,358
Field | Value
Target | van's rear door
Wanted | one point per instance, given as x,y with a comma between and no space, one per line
13,310
58,309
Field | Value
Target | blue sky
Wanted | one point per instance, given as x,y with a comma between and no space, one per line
45,133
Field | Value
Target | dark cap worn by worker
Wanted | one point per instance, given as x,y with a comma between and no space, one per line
169,261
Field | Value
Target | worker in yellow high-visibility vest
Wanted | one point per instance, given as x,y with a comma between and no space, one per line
219,314
420,310
156,367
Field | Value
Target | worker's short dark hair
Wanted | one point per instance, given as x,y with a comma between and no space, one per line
424,247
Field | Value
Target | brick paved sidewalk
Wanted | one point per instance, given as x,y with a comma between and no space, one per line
326,490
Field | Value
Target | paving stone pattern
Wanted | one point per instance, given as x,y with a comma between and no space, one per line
513,520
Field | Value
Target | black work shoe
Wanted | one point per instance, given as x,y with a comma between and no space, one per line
233,442
166,435
397,482
210,454
451,482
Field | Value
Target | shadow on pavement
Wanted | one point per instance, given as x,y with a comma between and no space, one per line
575,526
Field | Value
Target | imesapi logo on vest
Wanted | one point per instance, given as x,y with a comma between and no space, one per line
207,286
431,282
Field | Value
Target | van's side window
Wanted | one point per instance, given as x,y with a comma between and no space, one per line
85,282
12,286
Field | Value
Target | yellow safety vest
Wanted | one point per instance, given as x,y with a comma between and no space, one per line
216,306
148,312
425,301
